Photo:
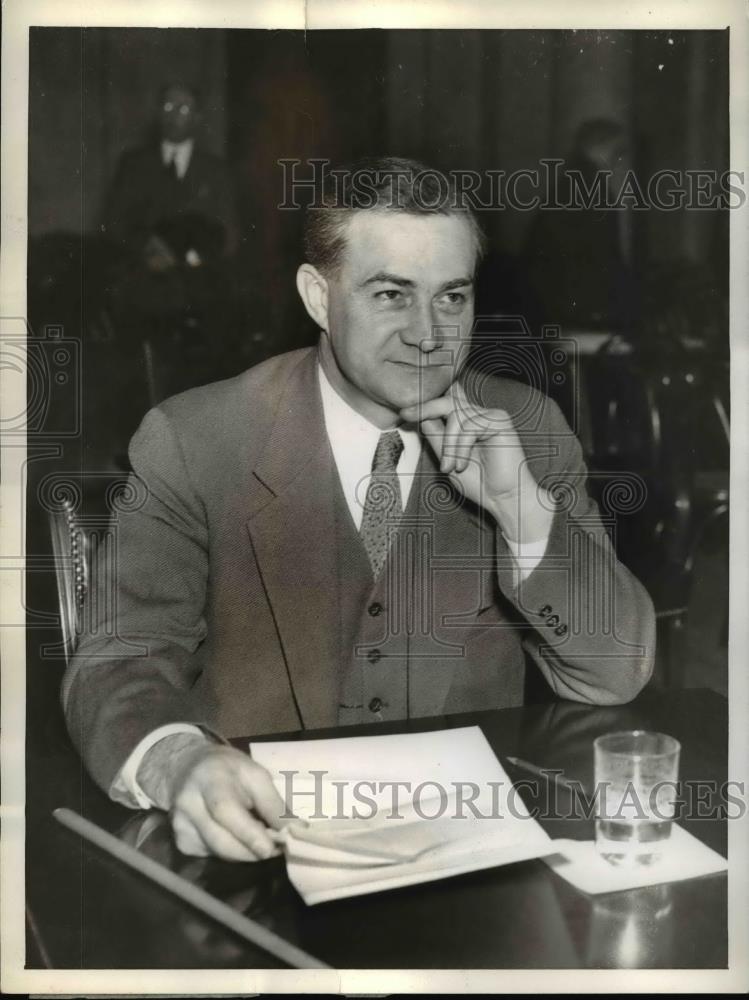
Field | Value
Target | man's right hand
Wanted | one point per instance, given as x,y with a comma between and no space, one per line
221,802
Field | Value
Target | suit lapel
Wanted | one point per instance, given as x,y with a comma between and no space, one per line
293,536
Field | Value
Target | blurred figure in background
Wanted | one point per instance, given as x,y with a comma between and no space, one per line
171,218
579,259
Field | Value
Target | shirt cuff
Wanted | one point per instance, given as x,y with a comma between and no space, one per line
125,788
527,556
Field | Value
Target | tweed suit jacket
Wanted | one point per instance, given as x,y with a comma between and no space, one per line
224,606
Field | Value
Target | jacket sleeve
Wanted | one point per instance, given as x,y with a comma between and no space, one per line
143,619
592,623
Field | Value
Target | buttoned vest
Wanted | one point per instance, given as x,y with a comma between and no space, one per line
397,656
373,661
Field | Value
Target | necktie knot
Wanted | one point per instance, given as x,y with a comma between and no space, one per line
388,452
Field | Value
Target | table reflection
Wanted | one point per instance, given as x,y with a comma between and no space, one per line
632,930
260,890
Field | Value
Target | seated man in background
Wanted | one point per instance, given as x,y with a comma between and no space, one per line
579,263
171,201
366,530
170,217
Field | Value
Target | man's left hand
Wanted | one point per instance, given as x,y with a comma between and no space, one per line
480,451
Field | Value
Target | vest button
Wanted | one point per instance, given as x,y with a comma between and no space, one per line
375,609
374,656
375,705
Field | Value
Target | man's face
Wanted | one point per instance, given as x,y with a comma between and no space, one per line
178,114
399,305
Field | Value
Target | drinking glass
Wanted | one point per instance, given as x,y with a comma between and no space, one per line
635,777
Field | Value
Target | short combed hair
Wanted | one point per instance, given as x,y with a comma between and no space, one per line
389,184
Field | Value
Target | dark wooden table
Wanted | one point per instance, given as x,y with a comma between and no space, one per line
86,911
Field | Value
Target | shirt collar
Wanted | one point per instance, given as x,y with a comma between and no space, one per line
167,146
353,440
178,153
347,427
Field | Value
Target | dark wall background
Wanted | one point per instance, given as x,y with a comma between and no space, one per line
480,99
92,94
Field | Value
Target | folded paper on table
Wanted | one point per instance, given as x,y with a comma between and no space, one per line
390,811
683,856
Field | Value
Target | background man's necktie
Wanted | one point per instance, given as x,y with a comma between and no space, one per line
170,168
383,505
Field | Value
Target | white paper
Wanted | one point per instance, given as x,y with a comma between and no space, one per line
682,856
454,810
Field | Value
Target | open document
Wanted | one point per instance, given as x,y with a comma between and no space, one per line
389,811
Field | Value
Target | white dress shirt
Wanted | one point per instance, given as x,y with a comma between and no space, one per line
353,440
179,153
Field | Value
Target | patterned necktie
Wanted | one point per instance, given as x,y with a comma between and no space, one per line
383,505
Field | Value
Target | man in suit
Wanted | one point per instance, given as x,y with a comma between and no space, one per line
366,530
171,202
170,217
